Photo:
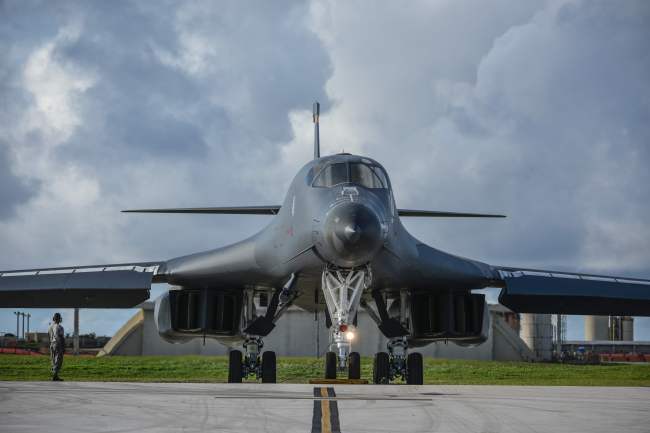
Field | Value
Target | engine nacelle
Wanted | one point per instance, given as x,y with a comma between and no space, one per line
184,314
460,317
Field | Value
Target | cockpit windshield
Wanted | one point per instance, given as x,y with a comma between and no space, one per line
332,175
358,173
365,175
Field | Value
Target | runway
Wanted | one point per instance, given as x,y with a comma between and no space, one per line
147,407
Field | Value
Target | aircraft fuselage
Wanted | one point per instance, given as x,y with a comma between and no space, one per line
339,210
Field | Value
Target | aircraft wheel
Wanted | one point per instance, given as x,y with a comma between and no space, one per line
330,365
354,366
381,368
268,367
414,369
234,366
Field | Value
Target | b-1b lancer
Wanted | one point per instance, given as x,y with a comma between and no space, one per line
336,243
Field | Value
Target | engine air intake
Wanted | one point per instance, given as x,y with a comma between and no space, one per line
187,313
447,315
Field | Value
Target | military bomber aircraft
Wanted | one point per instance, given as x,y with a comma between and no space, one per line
336,243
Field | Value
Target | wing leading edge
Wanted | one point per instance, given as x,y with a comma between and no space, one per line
273,210
550,292
102,286
444,214
231,210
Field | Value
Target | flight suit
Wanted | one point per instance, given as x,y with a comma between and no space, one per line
57,347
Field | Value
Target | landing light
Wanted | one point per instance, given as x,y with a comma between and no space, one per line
349,335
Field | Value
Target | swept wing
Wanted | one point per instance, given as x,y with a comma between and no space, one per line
542,291
274,209
101,286
236,210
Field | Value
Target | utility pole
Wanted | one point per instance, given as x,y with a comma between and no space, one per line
28,316
17,313
76,332
317,324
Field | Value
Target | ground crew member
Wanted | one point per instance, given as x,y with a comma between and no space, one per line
57,345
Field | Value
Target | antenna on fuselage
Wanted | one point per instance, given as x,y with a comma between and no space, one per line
316,131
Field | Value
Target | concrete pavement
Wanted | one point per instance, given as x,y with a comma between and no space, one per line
133,407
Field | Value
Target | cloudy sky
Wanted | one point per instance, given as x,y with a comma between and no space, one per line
537,109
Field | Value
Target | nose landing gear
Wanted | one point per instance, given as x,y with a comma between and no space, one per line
353,365
342,288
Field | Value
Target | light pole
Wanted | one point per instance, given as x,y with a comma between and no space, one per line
23,315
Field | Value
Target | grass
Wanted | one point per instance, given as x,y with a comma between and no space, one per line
300,370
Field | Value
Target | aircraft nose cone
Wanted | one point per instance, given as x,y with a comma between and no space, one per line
353,232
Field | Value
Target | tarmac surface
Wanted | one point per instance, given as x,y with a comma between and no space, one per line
181,407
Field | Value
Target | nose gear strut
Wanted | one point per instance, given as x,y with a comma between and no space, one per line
342,288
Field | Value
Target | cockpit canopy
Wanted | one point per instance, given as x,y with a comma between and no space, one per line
357,173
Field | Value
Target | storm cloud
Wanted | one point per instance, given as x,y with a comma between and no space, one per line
537,109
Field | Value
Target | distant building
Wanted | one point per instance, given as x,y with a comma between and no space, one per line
507,315
607,346
609,328
37,337
7,340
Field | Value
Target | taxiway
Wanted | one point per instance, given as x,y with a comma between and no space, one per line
176,407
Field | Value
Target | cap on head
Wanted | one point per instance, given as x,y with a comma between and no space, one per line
57,318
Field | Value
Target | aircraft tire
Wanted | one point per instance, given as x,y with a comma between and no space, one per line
234,366
381,368
330,365
414,369
354,366
268,367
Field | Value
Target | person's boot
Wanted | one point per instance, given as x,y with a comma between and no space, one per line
56,378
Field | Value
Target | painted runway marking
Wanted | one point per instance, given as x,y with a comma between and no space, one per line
230,395
326,412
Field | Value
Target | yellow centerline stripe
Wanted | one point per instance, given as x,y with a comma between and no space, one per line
326,424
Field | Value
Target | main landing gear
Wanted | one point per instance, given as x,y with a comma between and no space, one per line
252,364
395,364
